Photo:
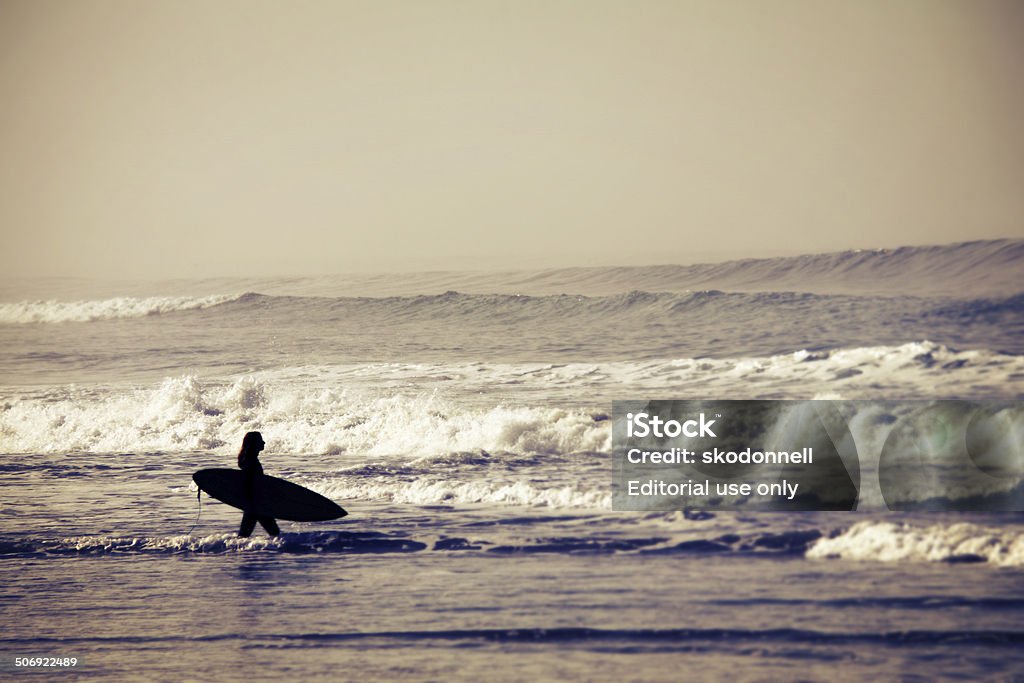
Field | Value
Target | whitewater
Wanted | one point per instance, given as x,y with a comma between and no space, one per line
464,421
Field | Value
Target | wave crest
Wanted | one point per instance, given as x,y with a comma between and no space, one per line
26,312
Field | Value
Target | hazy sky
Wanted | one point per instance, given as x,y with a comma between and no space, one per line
222,138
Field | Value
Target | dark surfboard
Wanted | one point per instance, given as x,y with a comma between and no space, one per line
272,497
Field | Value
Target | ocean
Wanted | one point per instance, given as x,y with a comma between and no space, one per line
463,420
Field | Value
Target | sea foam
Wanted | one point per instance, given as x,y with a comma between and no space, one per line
189,414
900,542
415,410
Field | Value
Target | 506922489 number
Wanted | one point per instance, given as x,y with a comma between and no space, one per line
45,661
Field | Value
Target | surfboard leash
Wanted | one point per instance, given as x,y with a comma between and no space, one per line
199,498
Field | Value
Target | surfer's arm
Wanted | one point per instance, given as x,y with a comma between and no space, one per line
249,482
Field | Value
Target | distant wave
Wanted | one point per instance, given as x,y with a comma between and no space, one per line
636,306
104,309
968,268
457,306
978,269
971,269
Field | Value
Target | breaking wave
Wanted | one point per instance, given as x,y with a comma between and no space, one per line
421,410
425,489
186,414
104,309
900,542
387,409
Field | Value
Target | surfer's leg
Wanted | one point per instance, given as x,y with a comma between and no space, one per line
248,524
270,524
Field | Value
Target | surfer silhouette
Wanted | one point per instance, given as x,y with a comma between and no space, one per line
249,463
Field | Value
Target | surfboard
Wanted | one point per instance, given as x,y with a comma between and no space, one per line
271,497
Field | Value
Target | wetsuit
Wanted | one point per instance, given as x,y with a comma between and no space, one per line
250,465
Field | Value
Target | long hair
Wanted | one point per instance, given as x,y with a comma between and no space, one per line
249,447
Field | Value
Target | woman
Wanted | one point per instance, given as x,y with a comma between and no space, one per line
249,462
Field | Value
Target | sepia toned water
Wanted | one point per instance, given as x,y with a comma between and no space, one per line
462,420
